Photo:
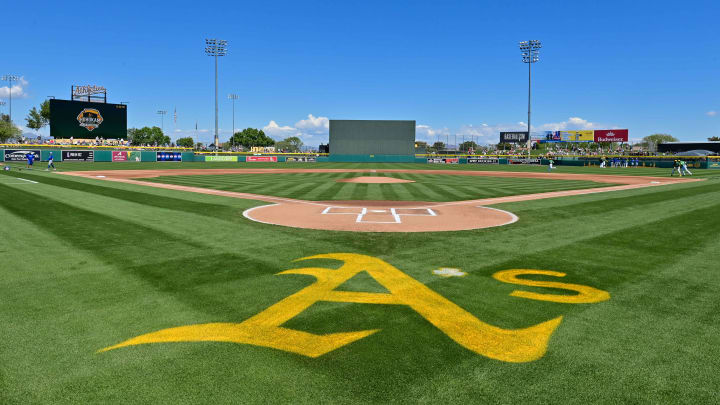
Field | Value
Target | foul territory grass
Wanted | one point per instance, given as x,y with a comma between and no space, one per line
86,264
425,187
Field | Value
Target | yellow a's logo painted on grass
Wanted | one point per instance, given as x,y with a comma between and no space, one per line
264,329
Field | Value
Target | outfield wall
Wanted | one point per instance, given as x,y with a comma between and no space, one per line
17,154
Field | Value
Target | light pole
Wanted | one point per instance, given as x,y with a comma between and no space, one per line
162,120
530,51
10,79
233,97
216,47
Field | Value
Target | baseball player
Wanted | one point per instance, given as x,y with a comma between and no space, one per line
550,164
50,162
683,168
30,158
676,168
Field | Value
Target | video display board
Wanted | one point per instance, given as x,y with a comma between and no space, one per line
84,120
370,137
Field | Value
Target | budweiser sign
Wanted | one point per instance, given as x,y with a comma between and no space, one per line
611,135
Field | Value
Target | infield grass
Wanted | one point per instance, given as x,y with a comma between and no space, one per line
88,263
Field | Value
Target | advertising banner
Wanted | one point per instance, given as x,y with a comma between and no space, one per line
125,156
524,161
713,163
611,135
584,136
78,155
18,155
300,159
169,157
261,159
444,160
513,137
484,161
221,158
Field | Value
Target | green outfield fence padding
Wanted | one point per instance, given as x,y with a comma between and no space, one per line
372,158
146,156
323,159
188,157
103,156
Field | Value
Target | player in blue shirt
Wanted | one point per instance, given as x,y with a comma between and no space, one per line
30,158
50,162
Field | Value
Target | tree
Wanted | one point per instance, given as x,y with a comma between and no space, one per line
291,144
714,139
250,137
186,142
35,119
467,145
658,138
147,136
438,146
8,131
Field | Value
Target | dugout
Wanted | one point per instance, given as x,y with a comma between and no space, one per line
372,141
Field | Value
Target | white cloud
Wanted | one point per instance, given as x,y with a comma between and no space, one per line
573,123
711,113
314,124
313,129
19,89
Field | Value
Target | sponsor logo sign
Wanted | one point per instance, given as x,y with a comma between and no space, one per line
90,118
169,157
484,161
444,160
524,161
221,158
611,135
513,137
125,156
18,155
300,159
78,155
261,159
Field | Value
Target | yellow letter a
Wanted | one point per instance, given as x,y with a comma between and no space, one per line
263,329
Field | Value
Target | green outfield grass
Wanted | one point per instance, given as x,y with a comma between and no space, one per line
86,264
83,166
426,187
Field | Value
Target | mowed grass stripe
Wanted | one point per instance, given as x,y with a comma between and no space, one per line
430,187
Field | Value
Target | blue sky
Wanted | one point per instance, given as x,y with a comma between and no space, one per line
452,66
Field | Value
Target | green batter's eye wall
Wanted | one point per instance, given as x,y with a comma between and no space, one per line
368,137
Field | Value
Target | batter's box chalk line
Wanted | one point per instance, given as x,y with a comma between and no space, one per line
391,215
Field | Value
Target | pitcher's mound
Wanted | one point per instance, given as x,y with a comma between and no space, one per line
374,180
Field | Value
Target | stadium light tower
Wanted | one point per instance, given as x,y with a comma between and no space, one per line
10,79
162,120
216,47
233,97
530,51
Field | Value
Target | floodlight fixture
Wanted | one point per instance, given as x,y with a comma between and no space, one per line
216,48
530,52
10,79
162,120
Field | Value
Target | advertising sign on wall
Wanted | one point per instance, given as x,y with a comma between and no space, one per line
524,161
513,137
169,157
484,161
261,159
300,159
444,160
125,156
221,158
78,155
18,155
611,135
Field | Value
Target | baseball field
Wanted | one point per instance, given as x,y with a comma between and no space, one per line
358,283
